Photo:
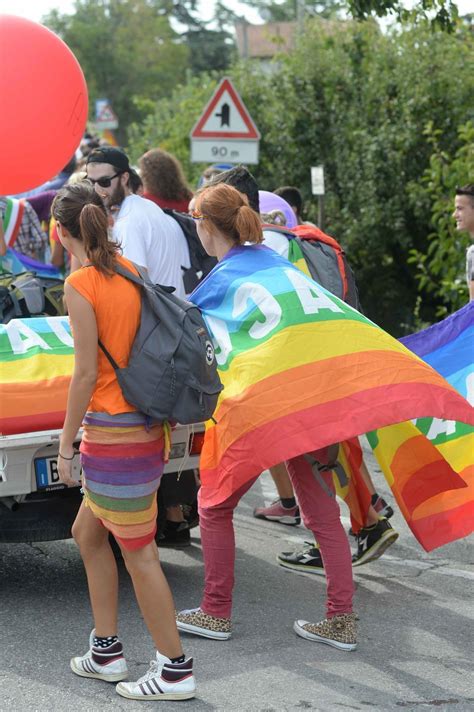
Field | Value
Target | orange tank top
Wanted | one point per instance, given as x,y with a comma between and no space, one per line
117,306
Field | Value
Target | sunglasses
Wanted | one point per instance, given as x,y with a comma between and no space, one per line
196,215
105,181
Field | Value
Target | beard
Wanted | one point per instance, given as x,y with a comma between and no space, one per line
116,198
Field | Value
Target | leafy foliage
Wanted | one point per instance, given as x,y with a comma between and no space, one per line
288,10
442,14
130,53
440,269
359,107
125,49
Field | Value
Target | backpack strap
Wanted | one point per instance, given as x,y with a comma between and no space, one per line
316,468
314,234
141,281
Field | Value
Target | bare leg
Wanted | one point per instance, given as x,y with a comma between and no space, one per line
282,481
154,598
372,516
175,514
366,477
101,570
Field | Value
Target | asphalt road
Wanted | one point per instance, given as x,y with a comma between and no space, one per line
415,640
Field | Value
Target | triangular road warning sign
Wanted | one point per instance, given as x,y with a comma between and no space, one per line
225,116
106,114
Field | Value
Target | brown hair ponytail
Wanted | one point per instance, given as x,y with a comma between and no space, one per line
94,232
230,212
248,225
81,211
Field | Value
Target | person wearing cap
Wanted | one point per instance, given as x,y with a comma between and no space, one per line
146,234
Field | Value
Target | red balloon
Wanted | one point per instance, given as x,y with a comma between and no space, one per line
44,104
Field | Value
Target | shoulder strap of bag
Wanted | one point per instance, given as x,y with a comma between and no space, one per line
142,280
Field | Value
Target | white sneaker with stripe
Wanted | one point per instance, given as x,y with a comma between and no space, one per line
163,681
110,671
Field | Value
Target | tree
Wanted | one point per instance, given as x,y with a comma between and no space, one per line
211,43
126,48
291,10
442,14
359,107
440,268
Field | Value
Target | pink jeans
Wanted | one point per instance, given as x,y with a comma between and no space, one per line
320,513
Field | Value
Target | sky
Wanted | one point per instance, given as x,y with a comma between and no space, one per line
36,9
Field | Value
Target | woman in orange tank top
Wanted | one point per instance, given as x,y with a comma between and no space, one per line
122,456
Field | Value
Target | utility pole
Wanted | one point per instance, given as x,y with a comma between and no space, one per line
300,13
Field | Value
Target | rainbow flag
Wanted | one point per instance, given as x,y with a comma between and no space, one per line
303,370
449,514
36,364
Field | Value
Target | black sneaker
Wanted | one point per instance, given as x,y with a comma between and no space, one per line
373,541
382,508
307,559
175,536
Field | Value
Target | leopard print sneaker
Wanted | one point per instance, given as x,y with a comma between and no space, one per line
340,631
197,622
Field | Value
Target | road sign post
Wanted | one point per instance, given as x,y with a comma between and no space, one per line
317,188
225,131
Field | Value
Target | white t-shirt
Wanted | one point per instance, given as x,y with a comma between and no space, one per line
275,241
470,265
154,240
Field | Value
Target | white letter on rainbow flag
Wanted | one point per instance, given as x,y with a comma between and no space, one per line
16,329
310,296
264,301
439,426
221,338
59,328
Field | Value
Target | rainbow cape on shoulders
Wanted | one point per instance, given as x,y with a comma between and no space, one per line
303,370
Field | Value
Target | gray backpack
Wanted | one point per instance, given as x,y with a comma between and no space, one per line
172,370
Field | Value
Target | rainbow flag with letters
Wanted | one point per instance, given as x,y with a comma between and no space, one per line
302,370
449,514
36,364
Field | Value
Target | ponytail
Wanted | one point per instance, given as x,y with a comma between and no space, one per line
82,212
230,212
99,249
248,225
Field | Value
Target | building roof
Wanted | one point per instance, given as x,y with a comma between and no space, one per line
262,41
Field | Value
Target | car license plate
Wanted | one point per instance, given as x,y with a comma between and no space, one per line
46,470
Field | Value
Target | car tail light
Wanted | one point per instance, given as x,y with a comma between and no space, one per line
196,441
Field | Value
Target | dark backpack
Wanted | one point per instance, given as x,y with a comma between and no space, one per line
325,259
25,295
172,370
201,262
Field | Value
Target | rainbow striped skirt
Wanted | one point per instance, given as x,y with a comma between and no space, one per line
122,459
